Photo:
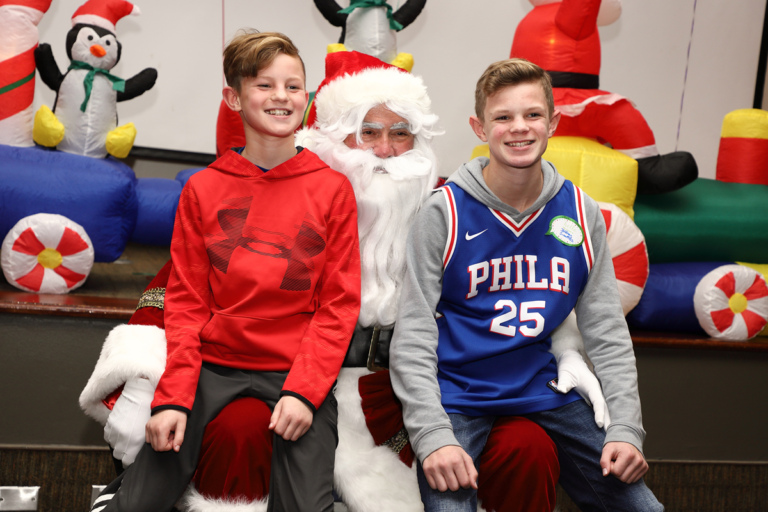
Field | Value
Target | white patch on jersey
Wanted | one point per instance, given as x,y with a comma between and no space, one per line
566,231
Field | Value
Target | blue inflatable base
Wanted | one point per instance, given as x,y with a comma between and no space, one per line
667,301
158,200
97,193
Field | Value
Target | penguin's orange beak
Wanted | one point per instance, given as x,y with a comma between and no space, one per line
98,50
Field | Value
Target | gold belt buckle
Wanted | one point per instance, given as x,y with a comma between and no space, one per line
372,349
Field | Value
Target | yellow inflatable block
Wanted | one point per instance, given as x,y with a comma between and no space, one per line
603,173
747,123
763,269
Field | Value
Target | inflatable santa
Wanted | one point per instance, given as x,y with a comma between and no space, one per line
562,37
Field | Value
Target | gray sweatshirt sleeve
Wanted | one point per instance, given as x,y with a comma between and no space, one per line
413,353
607,340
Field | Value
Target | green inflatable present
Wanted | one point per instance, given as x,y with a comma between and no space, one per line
706,220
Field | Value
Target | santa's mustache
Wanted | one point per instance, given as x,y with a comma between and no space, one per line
409,165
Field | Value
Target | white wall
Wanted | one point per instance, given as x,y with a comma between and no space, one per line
645,57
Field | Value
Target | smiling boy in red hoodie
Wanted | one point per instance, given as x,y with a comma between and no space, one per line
262,299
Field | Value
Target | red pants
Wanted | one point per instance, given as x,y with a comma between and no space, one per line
518,469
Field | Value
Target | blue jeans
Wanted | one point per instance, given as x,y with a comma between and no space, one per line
471,432
579,444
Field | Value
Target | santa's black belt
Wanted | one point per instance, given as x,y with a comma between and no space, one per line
369,349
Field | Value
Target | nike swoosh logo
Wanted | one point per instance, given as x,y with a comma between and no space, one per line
468,237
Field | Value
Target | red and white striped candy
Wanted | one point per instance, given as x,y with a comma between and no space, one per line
630,255
47,253
731,303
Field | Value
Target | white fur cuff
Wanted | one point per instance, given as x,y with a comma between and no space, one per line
193,501
129,351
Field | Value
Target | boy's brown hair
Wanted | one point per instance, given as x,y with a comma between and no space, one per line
505,73
251,51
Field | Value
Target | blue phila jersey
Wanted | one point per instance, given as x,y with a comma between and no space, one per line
506,286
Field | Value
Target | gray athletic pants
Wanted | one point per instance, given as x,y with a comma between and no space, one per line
302,471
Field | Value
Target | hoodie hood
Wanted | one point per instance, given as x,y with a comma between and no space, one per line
470,178
234,164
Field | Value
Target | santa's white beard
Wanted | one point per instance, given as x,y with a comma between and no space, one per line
386,205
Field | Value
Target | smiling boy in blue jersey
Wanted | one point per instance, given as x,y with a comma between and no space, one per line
496,261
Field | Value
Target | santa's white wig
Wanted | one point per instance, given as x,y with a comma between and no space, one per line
354,84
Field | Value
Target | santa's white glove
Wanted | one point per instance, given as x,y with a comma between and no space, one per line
124,430
572,372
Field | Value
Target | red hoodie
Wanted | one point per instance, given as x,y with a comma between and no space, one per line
266,276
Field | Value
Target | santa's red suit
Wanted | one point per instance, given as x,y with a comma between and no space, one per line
562,37
374,468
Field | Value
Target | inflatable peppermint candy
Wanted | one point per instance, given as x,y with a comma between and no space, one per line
630,255
47,253
731,303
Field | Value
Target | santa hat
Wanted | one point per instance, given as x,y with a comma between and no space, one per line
354,79
104,13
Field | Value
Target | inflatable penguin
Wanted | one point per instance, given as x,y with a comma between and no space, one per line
369,27
562,37
84,117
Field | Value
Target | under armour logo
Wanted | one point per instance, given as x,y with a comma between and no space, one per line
298,251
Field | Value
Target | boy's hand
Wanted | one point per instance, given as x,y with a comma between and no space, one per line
291,418
165,430
450,467
623,461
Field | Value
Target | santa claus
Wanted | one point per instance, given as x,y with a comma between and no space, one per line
373,122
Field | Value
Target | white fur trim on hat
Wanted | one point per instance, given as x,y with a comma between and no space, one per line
371,87
129,351
193,501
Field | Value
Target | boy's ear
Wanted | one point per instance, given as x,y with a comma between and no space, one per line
553,121
477,127
231,98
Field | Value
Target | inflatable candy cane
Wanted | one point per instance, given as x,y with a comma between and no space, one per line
18,40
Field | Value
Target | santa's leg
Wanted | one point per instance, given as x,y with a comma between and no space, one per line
370,477
623,127
234,467
518,468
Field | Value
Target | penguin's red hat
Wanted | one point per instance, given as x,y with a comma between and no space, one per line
103,13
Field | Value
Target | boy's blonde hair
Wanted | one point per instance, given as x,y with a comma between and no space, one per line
505,73
251,51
